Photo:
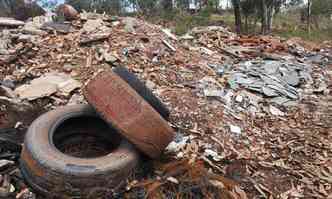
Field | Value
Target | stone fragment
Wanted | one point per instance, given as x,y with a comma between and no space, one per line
92,25
275,111
47,85
56,26
7,92
34,27
110,58
292,78
8,83
150,84
86,39
130,24
4,164
5,186
10,22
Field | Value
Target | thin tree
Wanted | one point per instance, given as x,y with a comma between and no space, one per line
167,5
237,15
309,16
264,16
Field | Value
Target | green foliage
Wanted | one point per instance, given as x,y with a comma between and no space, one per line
206,11
81,4
147,6
182,4
289,25
107,6
321,7
185,21
315,35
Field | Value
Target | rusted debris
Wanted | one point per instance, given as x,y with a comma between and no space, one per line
67,11
129,113
184,179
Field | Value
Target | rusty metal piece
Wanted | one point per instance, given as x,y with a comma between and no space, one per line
129,113
67,11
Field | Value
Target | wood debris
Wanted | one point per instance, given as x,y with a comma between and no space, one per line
232,141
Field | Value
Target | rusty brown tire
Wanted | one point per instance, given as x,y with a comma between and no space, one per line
143,91
120,105
71,152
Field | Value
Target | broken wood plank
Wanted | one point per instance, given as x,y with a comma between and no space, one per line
169,45
169,34
4,21
94,37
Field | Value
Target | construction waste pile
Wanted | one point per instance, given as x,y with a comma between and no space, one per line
251,114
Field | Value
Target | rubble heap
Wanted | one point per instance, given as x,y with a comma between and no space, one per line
256,110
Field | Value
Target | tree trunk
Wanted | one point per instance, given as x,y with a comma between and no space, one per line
264,17
270,15
115,7
167,4
309,16
183,4
256,19
217,6
204,3
246,24
237,14
5,8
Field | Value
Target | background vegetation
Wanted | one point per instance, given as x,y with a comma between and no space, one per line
308,19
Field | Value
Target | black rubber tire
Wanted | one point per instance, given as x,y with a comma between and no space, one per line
143,91
50,172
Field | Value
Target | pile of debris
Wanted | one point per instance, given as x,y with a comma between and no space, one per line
253,109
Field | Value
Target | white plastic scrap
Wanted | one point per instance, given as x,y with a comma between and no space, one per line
173,180
176,146
213,93
239,98
235,129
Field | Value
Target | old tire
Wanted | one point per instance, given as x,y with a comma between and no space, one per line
120,105
51,169
143,91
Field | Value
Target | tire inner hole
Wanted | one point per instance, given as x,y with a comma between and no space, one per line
85,137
